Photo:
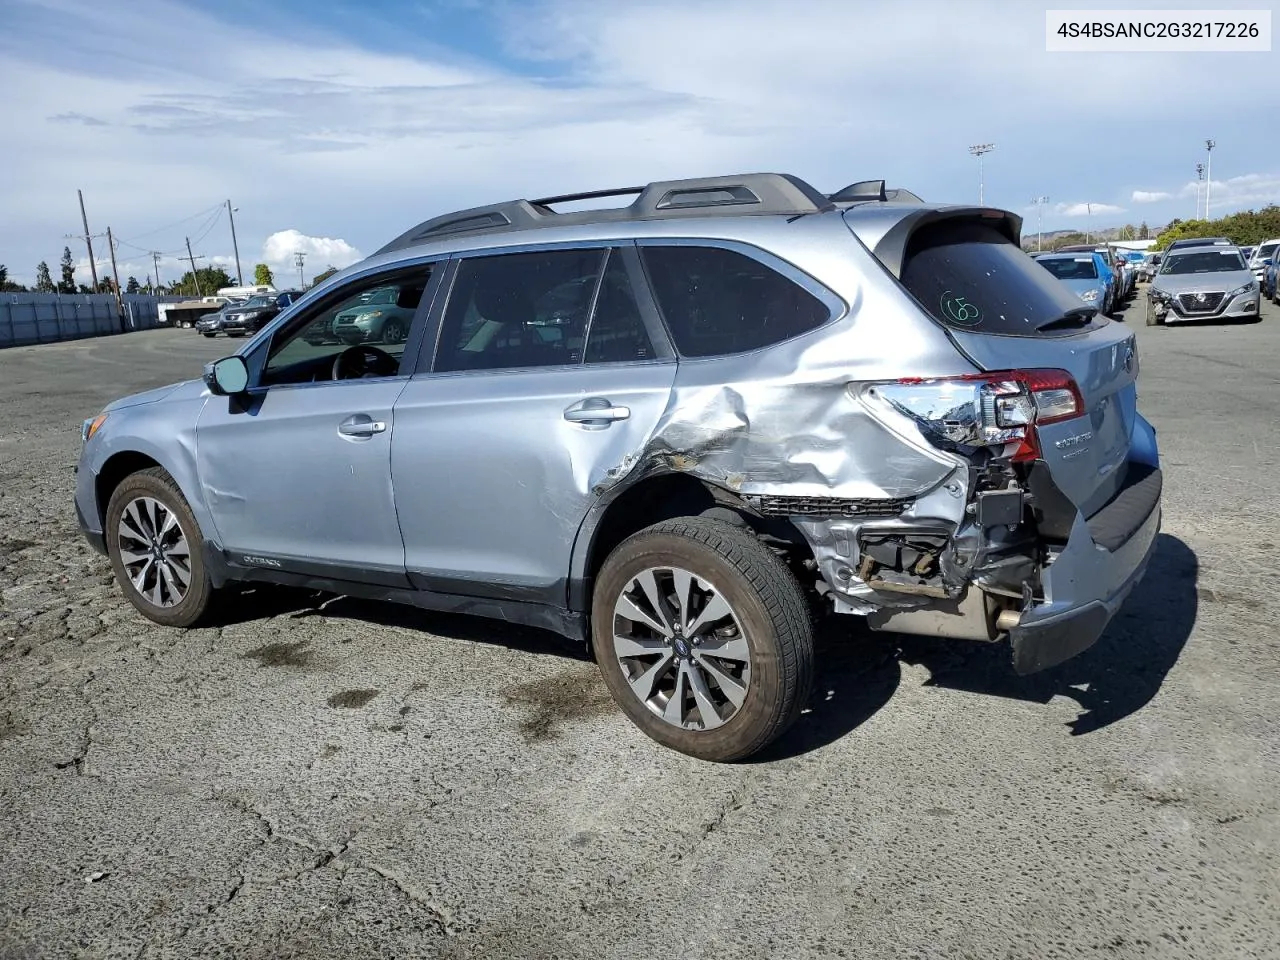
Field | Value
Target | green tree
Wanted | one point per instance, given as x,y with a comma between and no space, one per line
68,282
211,279
84,288
1144,232
262,276
132,285
7,285
1246,228
44,282
324,274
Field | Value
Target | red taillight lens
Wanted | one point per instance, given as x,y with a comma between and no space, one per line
999,409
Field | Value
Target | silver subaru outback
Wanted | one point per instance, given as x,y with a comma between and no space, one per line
674,431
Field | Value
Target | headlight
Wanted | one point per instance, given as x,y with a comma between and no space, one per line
1249,287
90,427
1089,296
369,315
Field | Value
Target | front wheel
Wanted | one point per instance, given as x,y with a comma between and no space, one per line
156,549
393,331
703,637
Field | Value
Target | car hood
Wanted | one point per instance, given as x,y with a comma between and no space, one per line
1190,282
179,390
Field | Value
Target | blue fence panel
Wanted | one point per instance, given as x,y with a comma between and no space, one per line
30,318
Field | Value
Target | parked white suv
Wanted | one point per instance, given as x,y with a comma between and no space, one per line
1265,250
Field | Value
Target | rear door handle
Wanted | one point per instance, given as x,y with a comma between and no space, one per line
361,426
598,411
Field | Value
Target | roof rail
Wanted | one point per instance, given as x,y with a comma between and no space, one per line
756,194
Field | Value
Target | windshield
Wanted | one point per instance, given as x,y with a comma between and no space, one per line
1208,261
970,276
1266,250
259,302
1077,268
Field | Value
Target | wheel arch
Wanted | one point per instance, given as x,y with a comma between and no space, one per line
129,456
651,499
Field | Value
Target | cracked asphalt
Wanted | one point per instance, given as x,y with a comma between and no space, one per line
319,777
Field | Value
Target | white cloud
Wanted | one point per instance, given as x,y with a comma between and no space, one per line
1150,196
1250,189
320,252
1088,209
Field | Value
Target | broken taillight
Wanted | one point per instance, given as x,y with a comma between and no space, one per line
998,411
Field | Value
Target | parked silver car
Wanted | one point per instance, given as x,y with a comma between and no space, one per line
671,431
1204,282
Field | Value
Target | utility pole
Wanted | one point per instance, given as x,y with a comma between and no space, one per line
195,276
93,268
1208,182
978,150
1039,202
298,257
1199,180
111,245
1088,223
155,259
234,246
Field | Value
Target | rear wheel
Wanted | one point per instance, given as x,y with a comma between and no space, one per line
703,637
156,549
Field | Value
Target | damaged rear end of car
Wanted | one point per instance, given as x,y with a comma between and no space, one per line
1053,512
960,453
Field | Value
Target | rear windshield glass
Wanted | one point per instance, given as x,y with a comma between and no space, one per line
969,276
1076,268
1208,261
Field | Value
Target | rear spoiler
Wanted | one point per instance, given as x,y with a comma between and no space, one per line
892,248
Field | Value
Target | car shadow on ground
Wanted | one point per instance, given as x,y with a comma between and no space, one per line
264,601
1116,677
858,671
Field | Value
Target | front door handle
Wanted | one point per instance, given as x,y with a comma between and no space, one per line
361,426
596,411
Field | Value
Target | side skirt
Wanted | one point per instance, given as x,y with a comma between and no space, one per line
567,623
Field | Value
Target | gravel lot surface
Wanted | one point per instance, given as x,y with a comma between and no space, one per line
357,780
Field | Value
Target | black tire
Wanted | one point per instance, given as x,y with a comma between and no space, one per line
393,331
769,605
156,484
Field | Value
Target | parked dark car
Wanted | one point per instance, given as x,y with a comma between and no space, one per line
211,323
257,312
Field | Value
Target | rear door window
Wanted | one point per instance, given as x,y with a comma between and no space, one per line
969,276
717,301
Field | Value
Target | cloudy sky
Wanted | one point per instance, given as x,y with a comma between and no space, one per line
334,126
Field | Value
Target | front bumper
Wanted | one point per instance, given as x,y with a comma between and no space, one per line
352,334
96,538
1240,306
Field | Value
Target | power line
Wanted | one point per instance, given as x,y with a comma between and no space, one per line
178,223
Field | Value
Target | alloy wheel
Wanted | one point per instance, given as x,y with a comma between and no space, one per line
154,552
681,647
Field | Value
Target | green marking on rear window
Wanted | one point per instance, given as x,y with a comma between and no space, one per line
959,310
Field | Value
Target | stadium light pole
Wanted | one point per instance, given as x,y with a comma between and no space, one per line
1039,202
978,150
1199,180
1208,176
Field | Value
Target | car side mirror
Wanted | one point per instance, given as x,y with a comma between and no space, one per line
228,376
1268,262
